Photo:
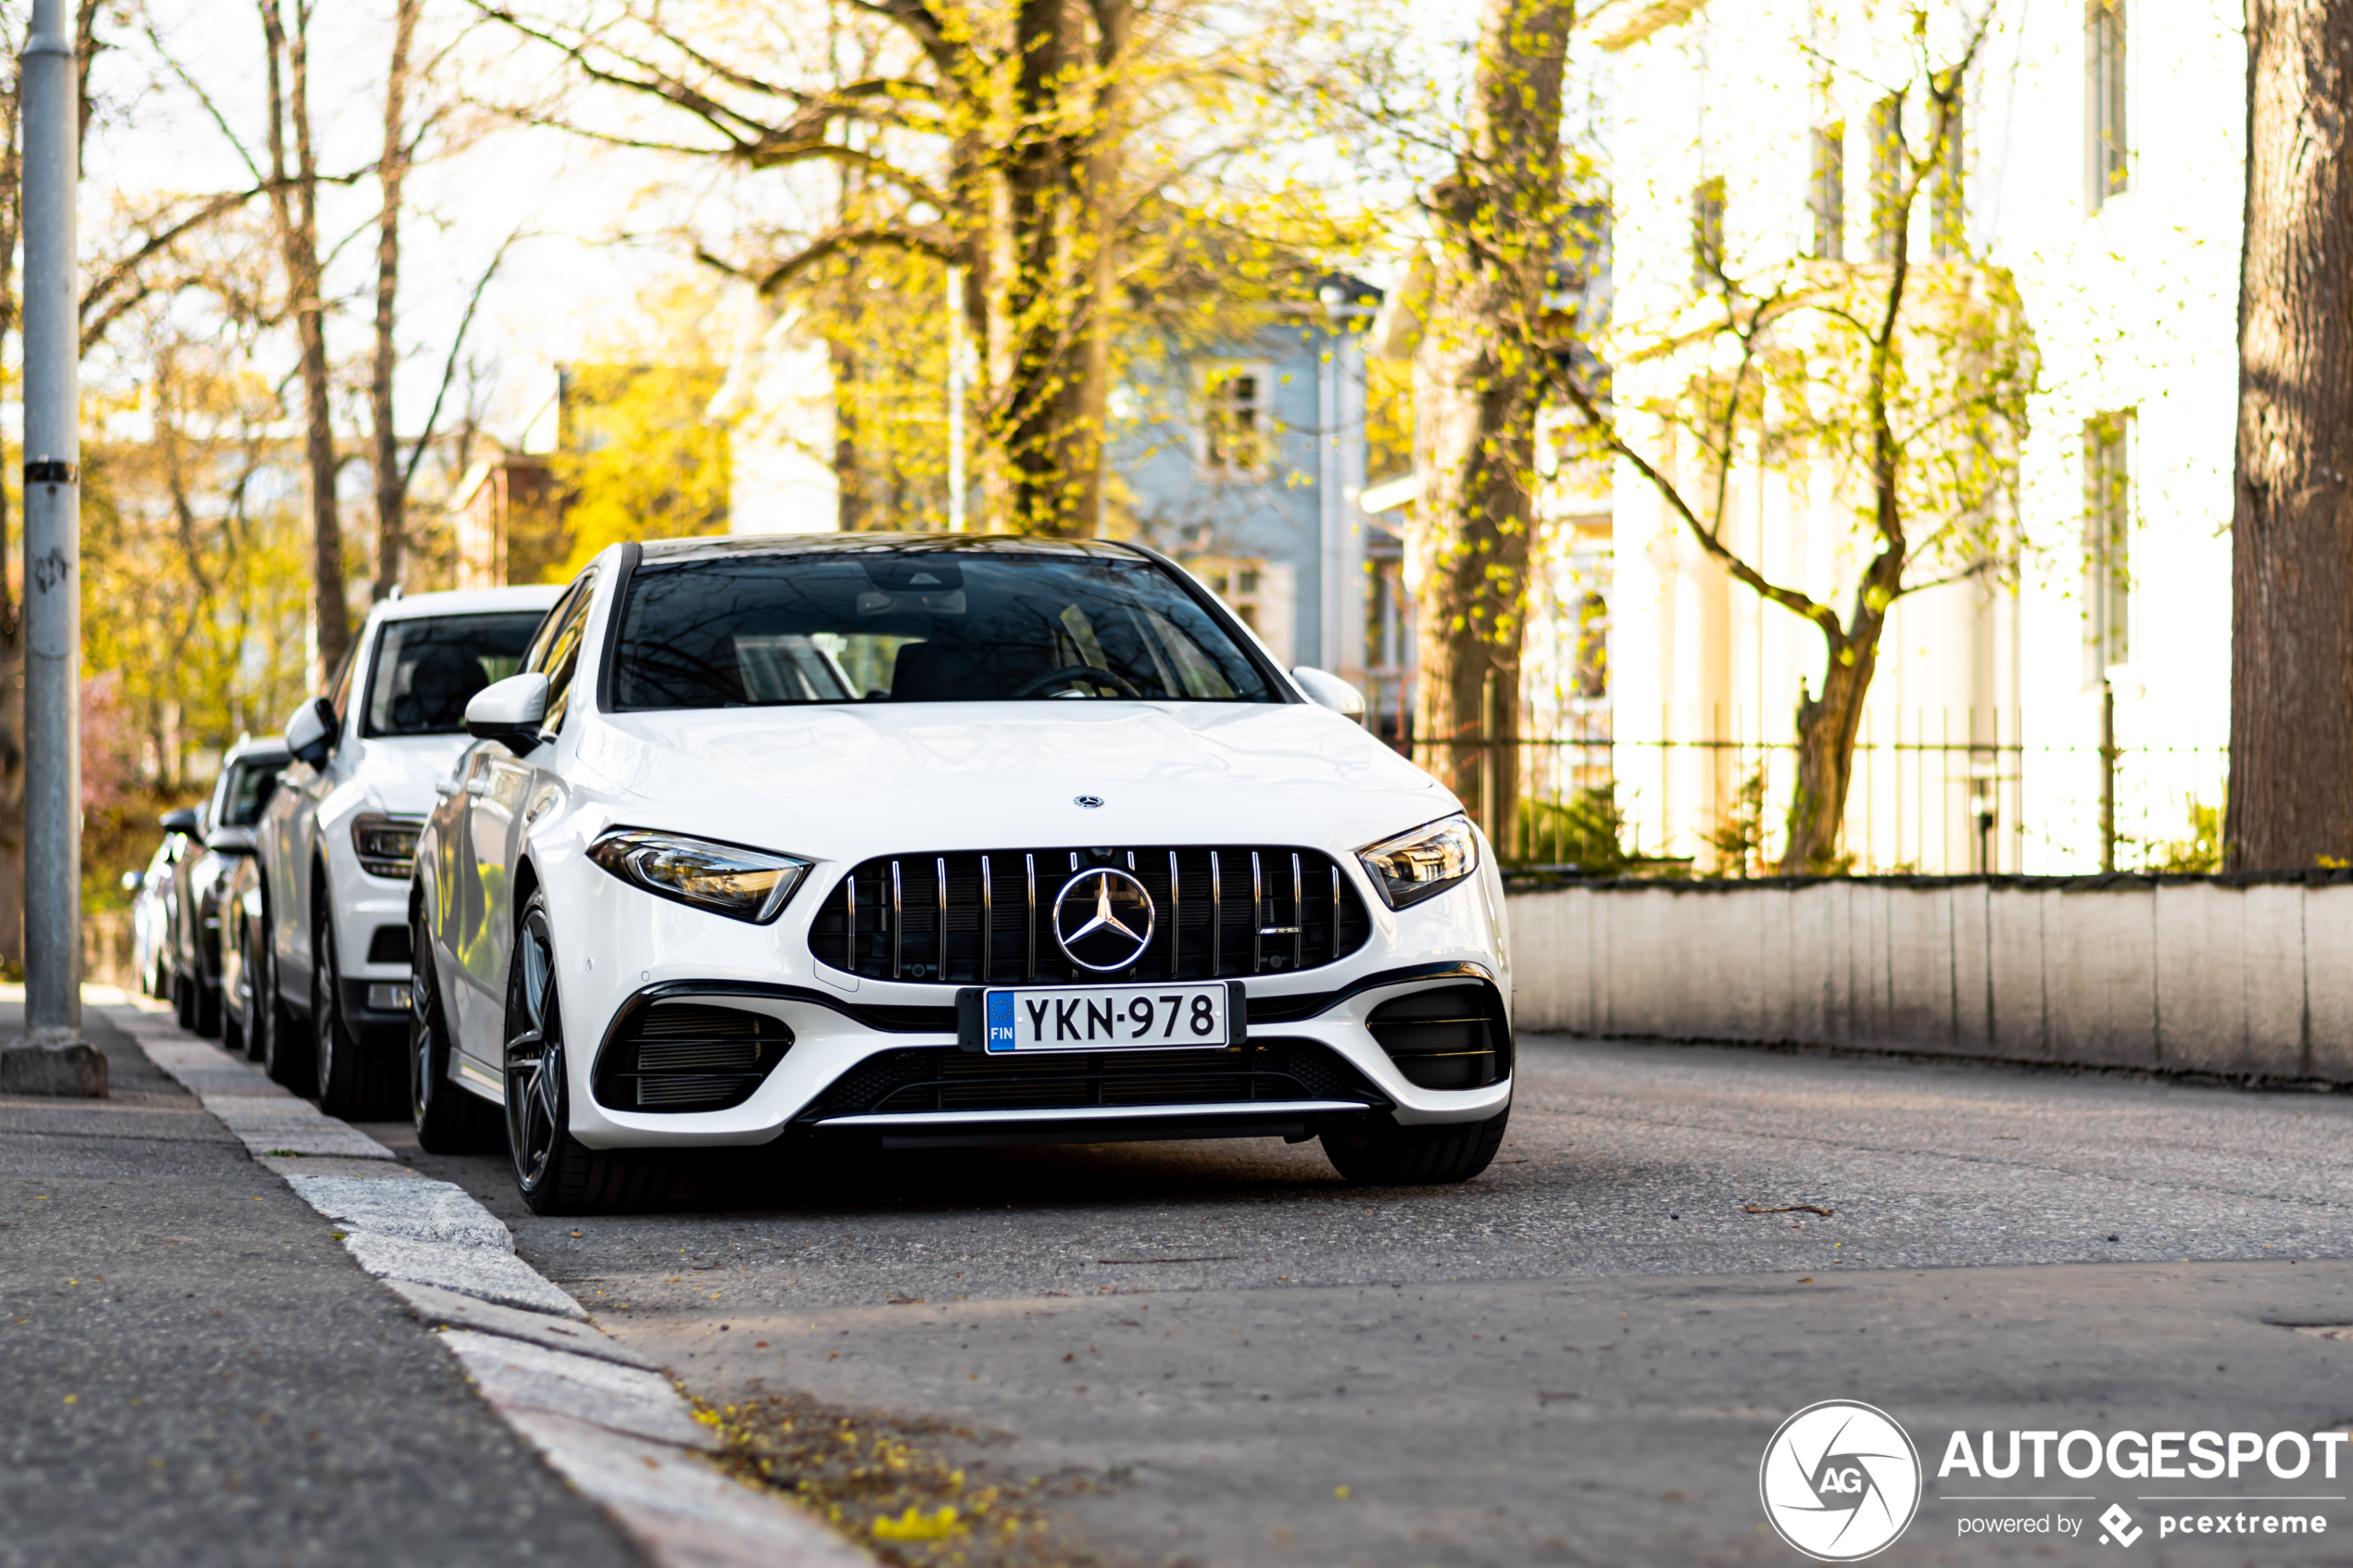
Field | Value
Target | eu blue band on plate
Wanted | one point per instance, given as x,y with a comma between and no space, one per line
1000,1021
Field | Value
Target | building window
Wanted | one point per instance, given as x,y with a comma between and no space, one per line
2108,544
1949,212
1233,440
1707,232
2107,170
1828,199
1888,160
1263,594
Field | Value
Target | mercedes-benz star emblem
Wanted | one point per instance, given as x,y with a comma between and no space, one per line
1089,801
1103,919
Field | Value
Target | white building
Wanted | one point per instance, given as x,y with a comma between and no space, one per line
2099,164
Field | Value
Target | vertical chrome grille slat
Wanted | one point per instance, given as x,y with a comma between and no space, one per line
1216,915
939,916
1029,867
898,920
988,920
1257,910
1298,913
849,922
1176,921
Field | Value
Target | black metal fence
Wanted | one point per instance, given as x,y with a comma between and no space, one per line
1941,795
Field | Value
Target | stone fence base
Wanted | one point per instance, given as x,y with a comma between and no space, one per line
2245,977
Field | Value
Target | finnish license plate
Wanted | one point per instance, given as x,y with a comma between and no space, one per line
1108,1018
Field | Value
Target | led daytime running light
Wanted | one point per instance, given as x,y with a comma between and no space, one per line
727,879
1424,863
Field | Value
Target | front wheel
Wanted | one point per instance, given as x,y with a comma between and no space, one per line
286,1053
1434,1155
555,1172
449,1120
354,1083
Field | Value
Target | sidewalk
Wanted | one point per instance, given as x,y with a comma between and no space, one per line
197,1372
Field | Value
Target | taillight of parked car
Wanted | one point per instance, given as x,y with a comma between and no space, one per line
386,846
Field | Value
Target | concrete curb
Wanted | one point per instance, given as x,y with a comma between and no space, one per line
603,1417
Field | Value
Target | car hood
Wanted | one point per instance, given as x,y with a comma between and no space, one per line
397,773
853,780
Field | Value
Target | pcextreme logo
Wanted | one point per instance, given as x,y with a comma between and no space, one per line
1840,1481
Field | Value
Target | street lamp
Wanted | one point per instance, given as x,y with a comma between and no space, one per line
52,1057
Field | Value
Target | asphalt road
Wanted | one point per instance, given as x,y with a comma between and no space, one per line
192,1372
1578,1357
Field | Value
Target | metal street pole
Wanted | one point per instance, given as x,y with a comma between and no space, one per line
52,1057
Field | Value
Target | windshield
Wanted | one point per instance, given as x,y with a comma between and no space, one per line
245,791
920,626
427,670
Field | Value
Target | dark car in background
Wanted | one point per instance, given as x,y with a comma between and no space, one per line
248,776
155,899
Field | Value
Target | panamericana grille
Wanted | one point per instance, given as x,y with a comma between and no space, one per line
921,1078
688,1056
975,919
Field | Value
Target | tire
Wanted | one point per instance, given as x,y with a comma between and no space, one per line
283,1042
555,1172
449,1120
184,1001
354,1083
1397,1157
208,1009
250,1027
232,1030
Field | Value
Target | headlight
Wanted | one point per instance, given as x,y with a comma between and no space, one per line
725,878
386,846
1422,863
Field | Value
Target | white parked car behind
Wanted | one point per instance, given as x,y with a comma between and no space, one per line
929,841
331,1006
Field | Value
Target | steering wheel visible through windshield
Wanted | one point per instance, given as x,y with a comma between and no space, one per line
920,626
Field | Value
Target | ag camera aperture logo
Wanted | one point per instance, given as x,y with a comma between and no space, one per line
1840,1480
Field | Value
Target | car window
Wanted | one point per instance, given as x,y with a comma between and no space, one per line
920,626
245,791
428,668
555,651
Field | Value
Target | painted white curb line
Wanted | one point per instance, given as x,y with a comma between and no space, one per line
600,1414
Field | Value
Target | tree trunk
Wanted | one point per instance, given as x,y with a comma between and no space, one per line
1478,378
295,215
392,169
2291,789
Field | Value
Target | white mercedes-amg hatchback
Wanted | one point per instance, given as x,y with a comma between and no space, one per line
928,840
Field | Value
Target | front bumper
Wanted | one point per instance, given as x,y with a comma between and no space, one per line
897,1075
618,950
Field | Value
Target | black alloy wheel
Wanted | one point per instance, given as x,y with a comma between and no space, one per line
555,1172
284,1045
353,1081
1398,1157
449,1120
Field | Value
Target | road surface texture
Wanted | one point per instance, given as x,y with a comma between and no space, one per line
1219,1354
195,1373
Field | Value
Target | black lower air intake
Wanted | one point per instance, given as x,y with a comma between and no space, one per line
1449,1038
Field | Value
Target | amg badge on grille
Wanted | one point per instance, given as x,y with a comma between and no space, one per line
1103,919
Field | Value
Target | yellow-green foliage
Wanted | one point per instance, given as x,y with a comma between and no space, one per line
639,455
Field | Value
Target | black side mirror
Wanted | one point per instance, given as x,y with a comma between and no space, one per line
311,732
183,821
